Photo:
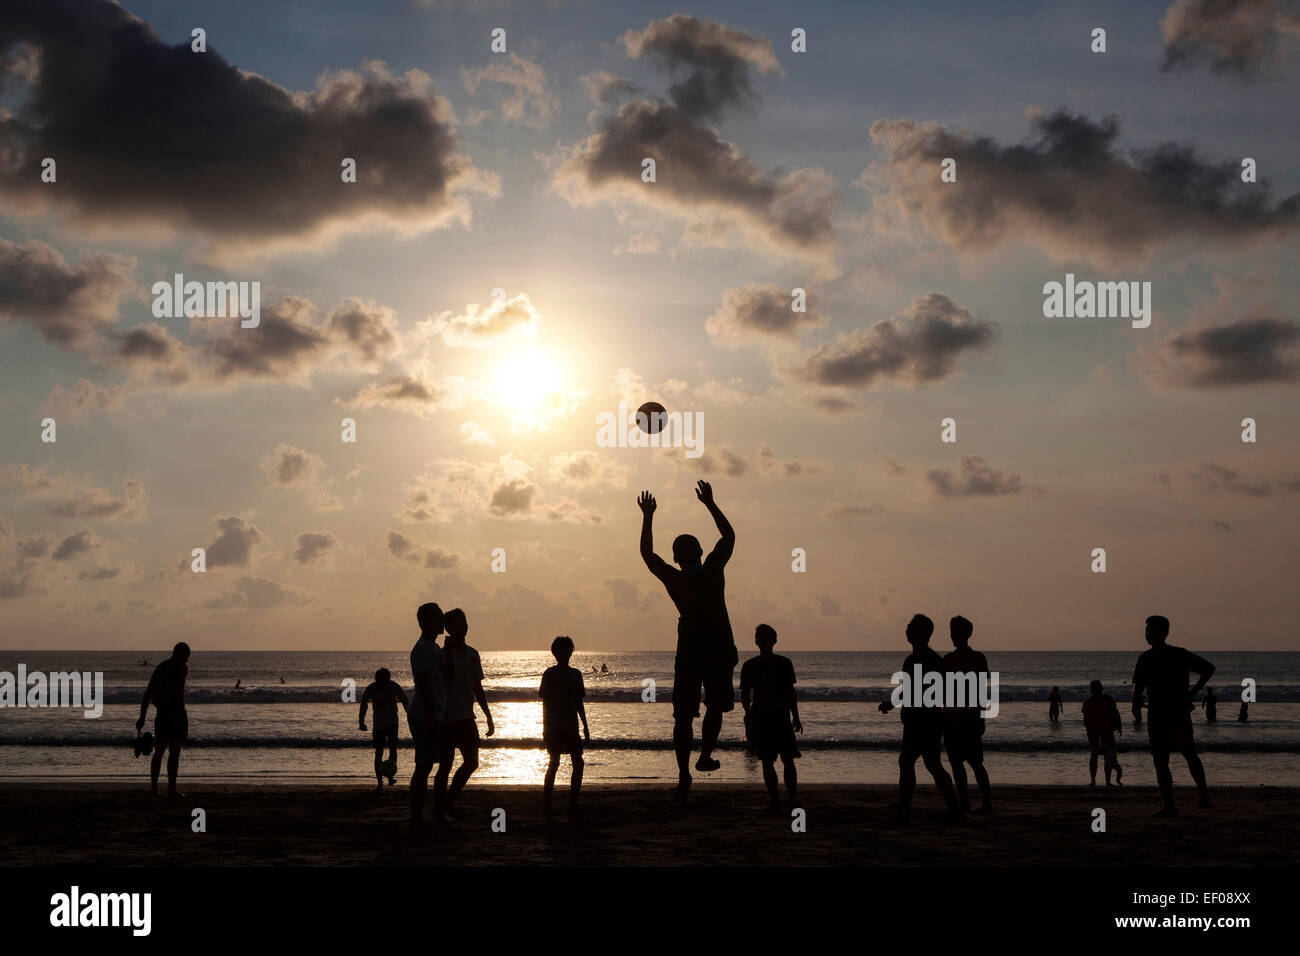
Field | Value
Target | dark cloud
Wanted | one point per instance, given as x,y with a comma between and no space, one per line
399,545
1258,348
440,560
313,546
976,479
623,592
402,547
234,545
35,545
769,466
75,545
699,174
918,346
370,329
99,574
159,136
1236,36
716,460
74,496
405,393
513,498
67,304
760,312
1070,190
1215,479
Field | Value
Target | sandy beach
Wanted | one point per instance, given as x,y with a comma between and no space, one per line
95,823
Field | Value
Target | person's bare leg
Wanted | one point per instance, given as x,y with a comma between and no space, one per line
549,784
575,781
440,789
710,728
982,781
683,738
1092,768
155,765
468,764
1166,781
769,778
419,786
1197,770
174,766
959,777
791,780
379,758
906,782
941,779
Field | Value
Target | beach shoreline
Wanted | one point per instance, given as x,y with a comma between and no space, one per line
118,823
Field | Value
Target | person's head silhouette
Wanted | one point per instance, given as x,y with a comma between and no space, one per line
960,630
181,652
919,629
456,623
765,638
687,551
562,648
430,618
1096,688
1157,630
382,676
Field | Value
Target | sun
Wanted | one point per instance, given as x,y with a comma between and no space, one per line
525,379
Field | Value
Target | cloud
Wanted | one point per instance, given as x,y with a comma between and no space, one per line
67,304
530,102
163,139
504,320
828,606
760,312
476,434
918,346
292,469
452,488
583,469
1215,479
313,546
1069,191
769,466
976,479
257,594
369,328
724,196
440,560
100,574
1236,36
515,497
405,549
606,87
623,592
1260,347
413,394
234,545
75,496
716,460
73,546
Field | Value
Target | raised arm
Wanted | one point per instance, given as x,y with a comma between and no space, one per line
646,502
727,543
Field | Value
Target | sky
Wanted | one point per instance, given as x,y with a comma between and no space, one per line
500,274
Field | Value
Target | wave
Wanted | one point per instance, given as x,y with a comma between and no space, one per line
1283,745
631,694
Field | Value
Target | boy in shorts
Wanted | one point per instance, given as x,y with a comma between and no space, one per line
562,692
771,712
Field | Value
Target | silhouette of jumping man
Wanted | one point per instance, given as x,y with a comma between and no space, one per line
1163,672
922,726
1211,706
463,672
963,731
562,692
1102,722
1054,705
771,712
706,651
384,693
171,722
425,712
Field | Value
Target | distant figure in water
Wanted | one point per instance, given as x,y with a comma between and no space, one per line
1102,722
1054,705
922,726
1163,672
771,713
281,680
237,683
1211,706
963,731
603,668
384,693
706,651
463,671
1242,715
171,724
562,694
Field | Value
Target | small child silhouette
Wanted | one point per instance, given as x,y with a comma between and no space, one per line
562,692
771,712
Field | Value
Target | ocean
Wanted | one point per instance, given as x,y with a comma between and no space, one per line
288,722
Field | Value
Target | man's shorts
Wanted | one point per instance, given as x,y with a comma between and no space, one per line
963,738
172,726
562,740
923,734
384,736
771,734
1169,732
426,744
716,681
459,734
1100,740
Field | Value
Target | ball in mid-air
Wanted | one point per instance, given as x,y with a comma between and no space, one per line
651,417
